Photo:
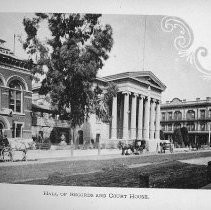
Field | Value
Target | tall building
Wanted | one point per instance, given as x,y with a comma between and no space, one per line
15,95
194,115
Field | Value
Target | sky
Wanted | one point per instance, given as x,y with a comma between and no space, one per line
136,47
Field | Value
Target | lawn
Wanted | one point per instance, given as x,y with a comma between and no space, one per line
165,172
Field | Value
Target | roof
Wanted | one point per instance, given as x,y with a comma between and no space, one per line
176,102
146,77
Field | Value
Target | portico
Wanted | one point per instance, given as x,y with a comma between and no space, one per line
136,108
135,111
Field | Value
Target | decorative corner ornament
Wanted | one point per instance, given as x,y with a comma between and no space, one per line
184,43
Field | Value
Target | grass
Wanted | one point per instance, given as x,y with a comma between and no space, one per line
171,174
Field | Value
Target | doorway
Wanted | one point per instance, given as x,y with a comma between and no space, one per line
80,137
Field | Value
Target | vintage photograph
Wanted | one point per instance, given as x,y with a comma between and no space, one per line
103,100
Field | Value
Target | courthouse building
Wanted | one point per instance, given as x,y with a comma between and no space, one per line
135,111
15,95
194,115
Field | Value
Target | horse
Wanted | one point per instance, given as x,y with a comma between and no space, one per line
136,147
17,145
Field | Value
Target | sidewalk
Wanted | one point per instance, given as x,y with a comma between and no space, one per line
47,156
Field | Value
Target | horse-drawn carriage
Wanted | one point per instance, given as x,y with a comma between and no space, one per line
135,147
9,149
166,145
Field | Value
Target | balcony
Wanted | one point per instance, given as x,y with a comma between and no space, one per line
186,119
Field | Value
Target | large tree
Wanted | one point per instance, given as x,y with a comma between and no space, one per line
177,136
70,58
185,136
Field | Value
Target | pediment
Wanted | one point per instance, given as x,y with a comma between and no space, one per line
146,77
149,80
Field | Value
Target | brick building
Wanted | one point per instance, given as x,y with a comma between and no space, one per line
15,95
194,115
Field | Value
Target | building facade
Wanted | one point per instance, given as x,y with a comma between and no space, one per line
194,115
135,111
45,121
15,95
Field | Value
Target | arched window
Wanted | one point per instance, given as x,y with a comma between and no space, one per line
190,115
177,125
177,115
15,96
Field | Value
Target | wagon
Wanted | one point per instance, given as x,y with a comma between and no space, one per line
7,153
166,145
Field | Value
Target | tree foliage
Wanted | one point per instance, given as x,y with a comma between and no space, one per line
185,137
76,49
162,136
177,136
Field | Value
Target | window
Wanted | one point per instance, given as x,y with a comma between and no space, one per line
177,115
163,115
190,115
170,115
15,96
191,126
17,130
202,126
177,125
169,127
202,114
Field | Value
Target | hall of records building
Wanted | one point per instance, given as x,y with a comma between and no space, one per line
15,95
194,115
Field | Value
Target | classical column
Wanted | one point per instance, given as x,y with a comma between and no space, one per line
140,118
157,123
133,117
152,120
146,118
126,112
114,118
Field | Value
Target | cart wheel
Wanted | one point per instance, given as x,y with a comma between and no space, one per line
24,155
7,154
11,155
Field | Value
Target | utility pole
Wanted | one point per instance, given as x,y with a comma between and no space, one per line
144,39
14,44
209,125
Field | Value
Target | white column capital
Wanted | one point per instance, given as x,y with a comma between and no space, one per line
153,100
126,92
141,96
147,98
158,101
